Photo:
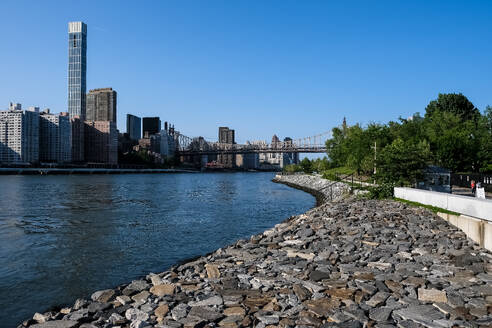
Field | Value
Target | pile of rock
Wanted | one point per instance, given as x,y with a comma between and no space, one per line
324,190
350,263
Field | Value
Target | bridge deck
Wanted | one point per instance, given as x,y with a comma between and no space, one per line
250,151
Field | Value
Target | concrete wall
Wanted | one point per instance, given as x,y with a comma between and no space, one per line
476,214
477,208
480,231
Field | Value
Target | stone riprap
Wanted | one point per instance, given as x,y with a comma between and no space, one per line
348,263
324,190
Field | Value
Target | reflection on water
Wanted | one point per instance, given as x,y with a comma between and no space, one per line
63,237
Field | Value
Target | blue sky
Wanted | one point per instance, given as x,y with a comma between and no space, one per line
294,68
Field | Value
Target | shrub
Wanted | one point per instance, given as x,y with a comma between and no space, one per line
384,190
331,174
486,169
292,168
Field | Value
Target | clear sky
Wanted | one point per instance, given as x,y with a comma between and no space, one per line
294,68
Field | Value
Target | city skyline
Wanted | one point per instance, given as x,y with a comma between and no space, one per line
224,65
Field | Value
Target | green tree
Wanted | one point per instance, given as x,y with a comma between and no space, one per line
336,147
412,128
320,164
454,143
455,103
358,147
484,134
353,146
402,162
306,165
291,168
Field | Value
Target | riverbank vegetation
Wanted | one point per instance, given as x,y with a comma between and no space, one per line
452,134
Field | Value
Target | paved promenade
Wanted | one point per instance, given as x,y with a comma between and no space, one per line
346,263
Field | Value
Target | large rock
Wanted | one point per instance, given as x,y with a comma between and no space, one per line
422,314
380,313
212,271
136,286
161,311
432,295
378,299
40,318
56,324
317,275
163,289
133,314
235,311
103,296
141,297
205,313
213,300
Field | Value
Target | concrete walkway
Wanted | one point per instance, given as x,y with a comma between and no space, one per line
462,191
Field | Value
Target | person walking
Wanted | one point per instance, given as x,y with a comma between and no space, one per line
473,187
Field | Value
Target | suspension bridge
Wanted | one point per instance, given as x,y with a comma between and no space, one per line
199,146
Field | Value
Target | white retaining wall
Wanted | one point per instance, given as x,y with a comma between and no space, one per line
478,208
476,214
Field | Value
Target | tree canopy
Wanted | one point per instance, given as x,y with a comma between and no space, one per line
453,134
455,103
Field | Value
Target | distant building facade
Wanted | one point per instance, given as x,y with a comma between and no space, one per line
19,135
250,161
77,69
133,126
289,158
77,139
167,144
150,142
275,160
101,140
55,138
101,105
15,106
125,143
151,125
227,136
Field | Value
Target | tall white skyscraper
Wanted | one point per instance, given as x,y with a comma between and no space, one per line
77,69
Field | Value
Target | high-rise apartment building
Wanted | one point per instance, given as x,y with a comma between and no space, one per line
15,106
78,128
55,138
151,125
19,136
101,140
167,144
77,69
227,136
101,105
134,126
279,159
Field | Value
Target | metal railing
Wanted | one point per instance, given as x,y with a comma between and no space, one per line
464,180
335,182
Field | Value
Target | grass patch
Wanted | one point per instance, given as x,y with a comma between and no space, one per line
331,174
339,170
429,207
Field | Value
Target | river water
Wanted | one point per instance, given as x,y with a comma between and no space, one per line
64,237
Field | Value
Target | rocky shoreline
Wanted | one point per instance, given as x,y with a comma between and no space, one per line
346,263
324,190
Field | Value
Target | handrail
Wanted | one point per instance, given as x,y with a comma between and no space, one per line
348,176
335,182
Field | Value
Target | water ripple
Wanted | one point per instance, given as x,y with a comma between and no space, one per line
94,232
